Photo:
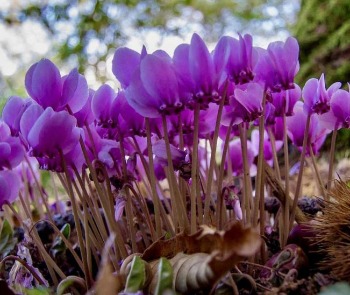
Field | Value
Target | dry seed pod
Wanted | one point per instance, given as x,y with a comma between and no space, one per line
332,232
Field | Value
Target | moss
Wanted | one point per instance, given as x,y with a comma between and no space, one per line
327,50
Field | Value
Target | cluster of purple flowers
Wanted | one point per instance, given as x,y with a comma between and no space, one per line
62,113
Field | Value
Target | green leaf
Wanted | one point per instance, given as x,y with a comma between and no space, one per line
165,277
58,246
37,291
137,275
340,288
6,234
7,241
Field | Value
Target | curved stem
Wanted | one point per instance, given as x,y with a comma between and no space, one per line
30,268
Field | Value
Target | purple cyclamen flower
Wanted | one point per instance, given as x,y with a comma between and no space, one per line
25,172
316,97
13,111
45,85
154,89
236,158
296,125
339,114
9,186
250,96
85,115
236,57
11,149
268,152
124,64
179,157
110,155
203,73
47,133
104,107
182,67
278,65
130,122
285,100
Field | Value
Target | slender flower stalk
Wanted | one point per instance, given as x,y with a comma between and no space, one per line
77,223
259,197
194,173
177,199
286,178
208,197
153,180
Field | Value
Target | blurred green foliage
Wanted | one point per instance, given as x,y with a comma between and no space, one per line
322,30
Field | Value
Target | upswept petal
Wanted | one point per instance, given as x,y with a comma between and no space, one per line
140,100
5,131
251,98
340,105
222,53
178,156
9,187
29,117
44,141
75,91
102,102
44,85
124,64
310,94
201,65
159,79
13,111
85,115
296,124
182,68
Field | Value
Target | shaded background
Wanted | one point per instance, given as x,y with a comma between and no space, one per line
85,34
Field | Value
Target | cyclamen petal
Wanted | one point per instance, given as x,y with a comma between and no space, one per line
9,186
124,64
251,99
202,66
43,83
159,79
46,142
285,100
178,156
182,68
339,115
235,156
296,125
139,99
29,118
278,65
85,115
13,111
316,97
102,103
75,91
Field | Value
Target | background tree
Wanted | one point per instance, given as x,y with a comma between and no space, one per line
323,30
